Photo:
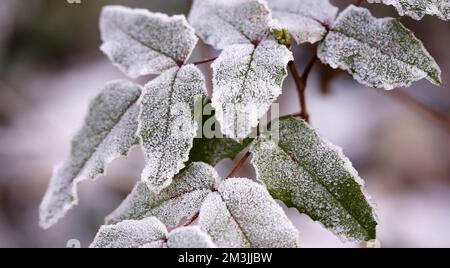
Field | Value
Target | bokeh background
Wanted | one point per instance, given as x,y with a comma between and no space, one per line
50,67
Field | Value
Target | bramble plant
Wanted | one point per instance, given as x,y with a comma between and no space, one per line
181,201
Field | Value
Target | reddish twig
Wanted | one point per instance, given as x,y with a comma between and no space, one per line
301,83
204,61
358,2
239,164
442,119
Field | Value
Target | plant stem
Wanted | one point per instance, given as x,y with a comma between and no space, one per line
204,61
301,83
239,165
442,119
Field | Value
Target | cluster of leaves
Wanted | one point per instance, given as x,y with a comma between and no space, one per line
179,184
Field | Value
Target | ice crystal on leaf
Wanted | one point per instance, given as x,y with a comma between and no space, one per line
227,22
150,233
417,9
181,200
380,53
140,42
108,132
309,173
247,79
166,123
243,214
306,20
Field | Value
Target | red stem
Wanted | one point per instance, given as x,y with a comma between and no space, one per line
239,164
204,61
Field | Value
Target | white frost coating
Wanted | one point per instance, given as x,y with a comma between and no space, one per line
306,20
181,200
220,23
309,173
189,237
417,9
243,214
166,123
246,81
130,234
108,132
380,53
140,42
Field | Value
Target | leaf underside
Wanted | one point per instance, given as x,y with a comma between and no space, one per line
246,81
140,42
166,123
379,53
417,9
221,23
243,214
108,132
180,201
306,20
308,173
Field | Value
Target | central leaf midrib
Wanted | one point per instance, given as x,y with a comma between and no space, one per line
315,178
166,125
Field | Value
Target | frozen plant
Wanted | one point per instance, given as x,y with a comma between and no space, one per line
181,201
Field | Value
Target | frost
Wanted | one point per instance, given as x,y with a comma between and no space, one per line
227,22
140,42
150,233
308,173
306,20
246,81
108,132
181,200
417,9
166,123
189,237
380,53
130,234
243,214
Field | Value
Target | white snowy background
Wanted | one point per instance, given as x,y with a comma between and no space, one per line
50,68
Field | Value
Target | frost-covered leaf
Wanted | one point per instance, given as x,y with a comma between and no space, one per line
131,234
150,233
226,22
380,53
243,214
140,42
108,132
247,80
189,237
308,173
306,20
181,200
166,123
417,9
213,147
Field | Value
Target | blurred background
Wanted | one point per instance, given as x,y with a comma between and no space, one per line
50,67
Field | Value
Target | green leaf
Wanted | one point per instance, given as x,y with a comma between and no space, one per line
417,9
307,172
380,53
306,20
221,23
180,201
107,133
243,214
150,233
140,42
213,147
247,79
166,123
